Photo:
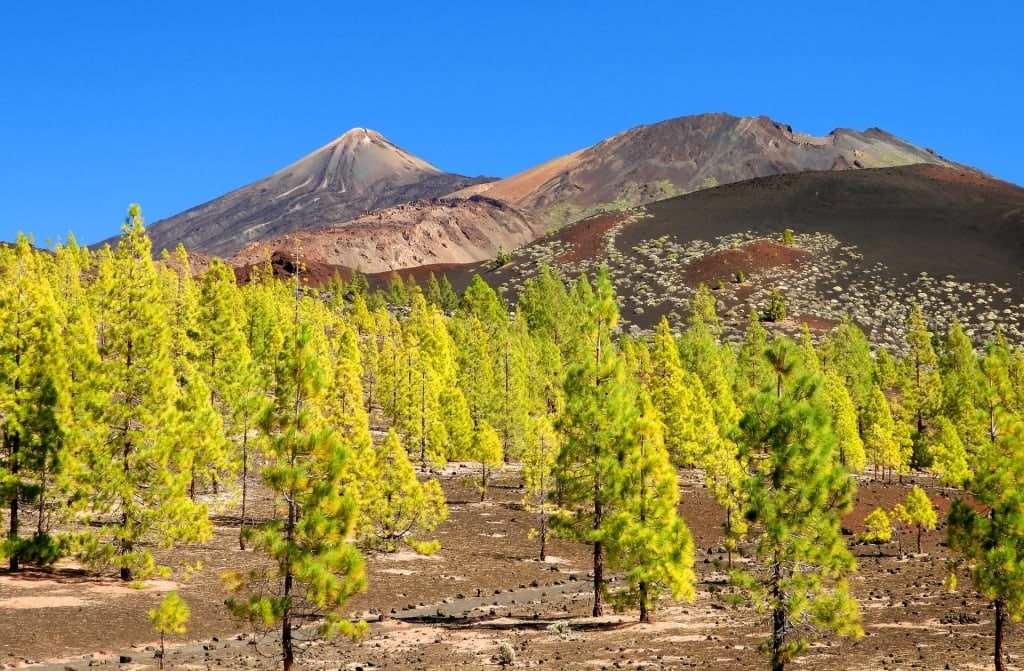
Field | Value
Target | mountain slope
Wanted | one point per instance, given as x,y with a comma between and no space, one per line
868,242
424,232
357,172
682,155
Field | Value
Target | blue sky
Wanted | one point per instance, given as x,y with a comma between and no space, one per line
172,104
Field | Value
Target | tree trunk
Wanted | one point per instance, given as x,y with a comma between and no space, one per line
125,548
245,487
778,620
598,579
12,441
1000,620
919,539
287,649
543,534
598,550
645,613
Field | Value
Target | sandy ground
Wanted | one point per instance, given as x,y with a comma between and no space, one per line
487,587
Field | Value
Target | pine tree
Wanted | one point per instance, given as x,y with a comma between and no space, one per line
922,384
950,456
34,401
400,508
886,375
134,470
314,566
486,451
650,541
846,353
752,369
916,511
670,397
477,374
880,438
798,492
878,527
513,398
170,617
597,423
550,313
225,364
67,481
959,368
992,539
263,341
850,447
538,474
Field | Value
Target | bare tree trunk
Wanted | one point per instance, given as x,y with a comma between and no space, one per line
287,649
1000,621
778,620
12,535
245,486
645,613
598,579
543,533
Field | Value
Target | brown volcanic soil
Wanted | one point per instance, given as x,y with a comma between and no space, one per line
749,258
71,619
425,232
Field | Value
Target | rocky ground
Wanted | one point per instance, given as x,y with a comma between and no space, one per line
487,587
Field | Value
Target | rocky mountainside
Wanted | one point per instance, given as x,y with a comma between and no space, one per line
867,242
683,155
358,172
425,232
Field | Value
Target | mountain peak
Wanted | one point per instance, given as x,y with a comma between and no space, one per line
357,135
358,171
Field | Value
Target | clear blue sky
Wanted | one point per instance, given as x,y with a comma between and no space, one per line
171,104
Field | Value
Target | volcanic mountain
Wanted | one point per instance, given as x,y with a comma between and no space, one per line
686,154
868,243
357,172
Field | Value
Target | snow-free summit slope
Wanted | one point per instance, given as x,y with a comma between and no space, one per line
357,172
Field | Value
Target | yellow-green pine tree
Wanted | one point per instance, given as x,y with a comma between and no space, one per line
402,510
487,452
917,511
798,493
170,617
34,400
133,468
314,566
538,474
950,457
992,539
849,446
650,541
597,422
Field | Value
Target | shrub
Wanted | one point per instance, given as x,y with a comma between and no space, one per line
560,629
787,237
506,654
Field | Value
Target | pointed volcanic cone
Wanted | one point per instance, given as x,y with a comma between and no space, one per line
357,172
